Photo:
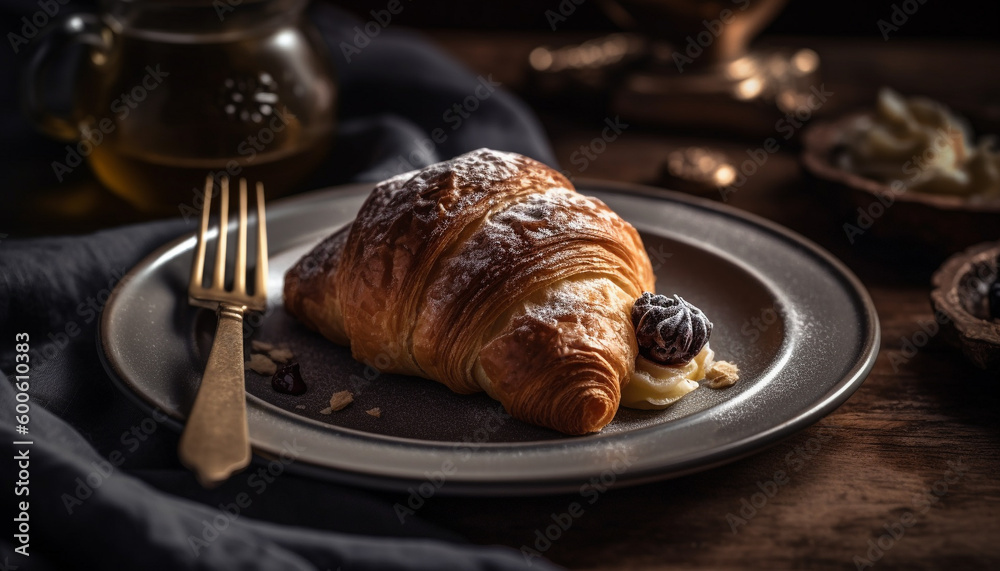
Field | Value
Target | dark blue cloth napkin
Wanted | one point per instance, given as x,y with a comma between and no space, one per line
104,487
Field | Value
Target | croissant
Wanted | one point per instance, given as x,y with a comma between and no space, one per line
488,272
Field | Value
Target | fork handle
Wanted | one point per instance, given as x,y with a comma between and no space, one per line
216,441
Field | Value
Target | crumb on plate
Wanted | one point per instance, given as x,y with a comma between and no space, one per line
376,412
722,374
261,364
281,355
261,346
326,410
341,399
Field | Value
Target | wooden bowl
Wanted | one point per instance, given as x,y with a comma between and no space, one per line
938,224
961,306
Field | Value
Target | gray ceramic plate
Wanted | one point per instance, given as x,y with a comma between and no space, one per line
799,324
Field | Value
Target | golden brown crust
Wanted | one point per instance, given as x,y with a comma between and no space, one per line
562,359
486,272
309,287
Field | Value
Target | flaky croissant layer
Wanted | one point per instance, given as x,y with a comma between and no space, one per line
488,272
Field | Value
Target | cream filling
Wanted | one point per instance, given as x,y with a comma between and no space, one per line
655,386
920,143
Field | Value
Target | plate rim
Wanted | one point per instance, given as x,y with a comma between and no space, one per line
833,398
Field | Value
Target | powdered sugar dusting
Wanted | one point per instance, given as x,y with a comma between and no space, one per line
412,220
541,229
542,238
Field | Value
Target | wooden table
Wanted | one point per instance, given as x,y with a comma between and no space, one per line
902,476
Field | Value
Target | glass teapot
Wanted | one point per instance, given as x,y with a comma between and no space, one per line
169,91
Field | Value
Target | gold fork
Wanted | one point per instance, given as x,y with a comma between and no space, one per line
216,441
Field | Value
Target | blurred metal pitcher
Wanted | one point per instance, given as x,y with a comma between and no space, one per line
700,71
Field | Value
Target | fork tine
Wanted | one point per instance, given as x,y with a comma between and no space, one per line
198,265
219,282
260,284
240,272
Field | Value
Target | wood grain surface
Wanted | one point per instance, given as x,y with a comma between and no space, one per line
902,476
